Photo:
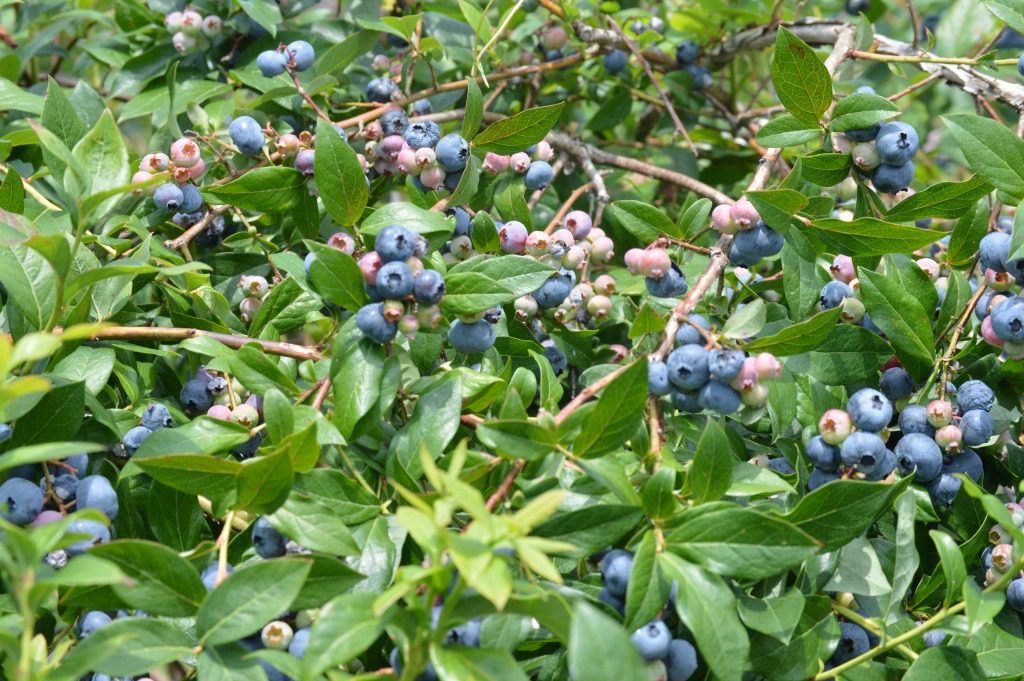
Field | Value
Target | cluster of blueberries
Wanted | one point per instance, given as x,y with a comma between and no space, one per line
1000,311
662,277
210,394
933,443
295,56
667,659
687,52
885,152
754,240
192,32
256,289
719,379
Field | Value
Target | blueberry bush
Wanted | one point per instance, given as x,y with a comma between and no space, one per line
508,340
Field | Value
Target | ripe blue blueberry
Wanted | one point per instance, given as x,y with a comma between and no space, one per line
395,242
896,384
688,367
853,641
538,175
914,419
933,638
452,179
718,397
613,601
64,485
20,501
918,452
168,196
652,640
194,397
671,285
781,465
209,575
78,462
423,134
247,135
556,358
271,63
822,455
297,648
725,364
394,280
96,533
760,241
687,52
994,251
818,477
943,489
467,634
1008,320
553,291
977,427
880,468
896,142
95,491
156,416
1015,592
870,410
470,337
687,334
302,53
615,61
463,223
371,321
422,107
380,90
657,378
687,402
864,134
699,76
394,122
974,394
91,622
616,566
861,448
5,432
893,179
428,287
192,200
681,660
134,438
268,542
452,152
966,462
741,255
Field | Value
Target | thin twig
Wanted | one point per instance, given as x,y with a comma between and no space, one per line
305,96
567,206
183,240
321,395
589,392
924,82
506,485
173,334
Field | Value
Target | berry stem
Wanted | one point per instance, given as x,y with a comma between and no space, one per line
309,100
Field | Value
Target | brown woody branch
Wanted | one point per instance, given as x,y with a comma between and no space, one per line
176,334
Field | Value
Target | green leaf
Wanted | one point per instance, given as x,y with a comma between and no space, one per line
57,416
952,562
798,338
12,192
520,131
342,54
599,648
711,468
285,308
276,189
850,354
870,236
30,281
474,109
1010,11
519,274
787,131
838,512
163,583
778,206
344,629
860,571
137,644
518,439
659,494
694,218
232,610
457,663
746,322
484,234
314,524
433,424
777,616
336,277
616,416
591,528
202,435
943,200
174,517
647,590
339,176
903,319
991,149
356,383
472,292
265,13
431,224
192,473
264,482
907,559
15,98
741,543
708,608
510,199
642,220
229,662
1016,237
945,662
103,153
467,188
801,80
803,286
825,170
861,110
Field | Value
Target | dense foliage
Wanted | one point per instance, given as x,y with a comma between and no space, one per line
533,339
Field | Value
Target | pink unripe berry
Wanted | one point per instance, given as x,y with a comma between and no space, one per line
604,284
191,22
747,376
603,250
634,259
939,413
182,42
182,175
579,223
46,517
391,146
1002,556
721,219
562,237
554,38
304,162
407,162
495,163
768,367
512,236
543,152
425,156
949,437
196,171
537,243
930,267
754,396
429,316
835,426
998,281
343,241
369,265
140,177
381,62
154,163
520,162
219,411
288,144
172,22
373,130
248,308
212,25
655,263
574,257
595,234
415,265
842,269
409,324
744,214
393,310
989,334
599,306
432,177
